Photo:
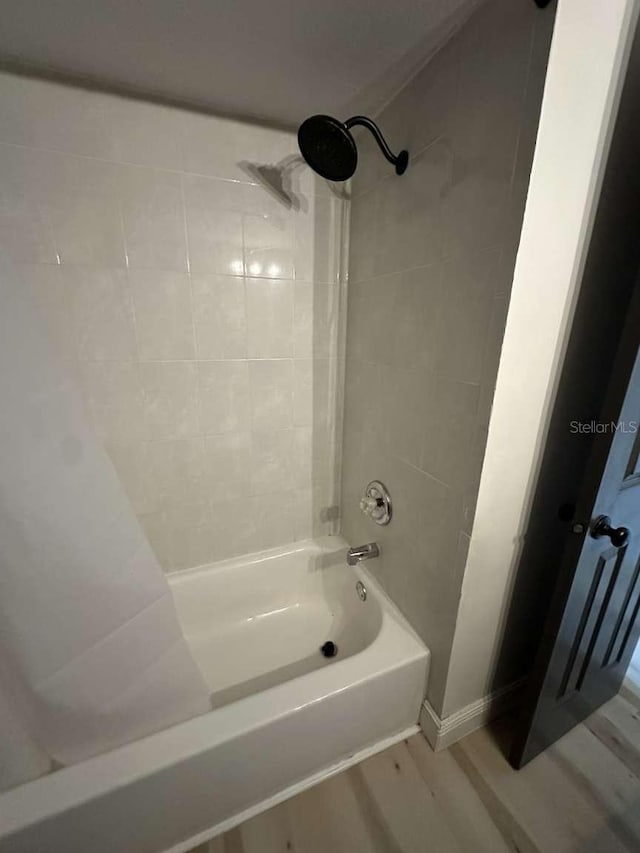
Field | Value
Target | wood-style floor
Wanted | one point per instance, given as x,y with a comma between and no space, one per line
633,673
583,794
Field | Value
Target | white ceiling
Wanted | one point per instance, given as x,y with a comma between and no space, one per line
277,60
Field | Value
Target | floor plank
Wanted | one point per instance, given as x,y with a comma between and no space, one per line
458,800
604,780
632,680
269,832
545,805
617,726
407,808
333,819
580,796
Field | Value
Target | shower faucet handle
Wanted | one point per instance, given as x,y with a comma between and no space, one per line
370,505
376,503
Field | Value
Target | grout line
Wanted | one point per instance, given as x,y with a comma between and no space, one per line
129,164
204,273
521,113
317,358
446,258
133,165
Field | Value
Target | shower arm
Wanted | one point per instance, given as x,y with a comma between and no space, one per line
373,127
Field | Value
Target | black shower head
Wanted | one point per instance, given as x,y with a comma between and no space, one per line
329,148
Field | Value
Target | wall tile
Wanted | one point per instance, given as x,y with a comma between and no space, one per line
153,219
163,317
491,358
410,404
214,225
155,529
312,392
114,395
315,313
362,409
363,236
224,394
268,245
172,472
475,209
80,199
220,316
303,391
472,485
269,318
487,124
371,167
431,259
425,109
428,598
303,456
449,458
466,311
170,399
49,287
25,232
313,512
166,474
225,465
143,133
371,306
271,461
416,317
233,528
272,518
429,513
129,460
495,50
102,313
310,450
409,214
271,394
307,183
236,145
191,538
47,115
134,224
315,249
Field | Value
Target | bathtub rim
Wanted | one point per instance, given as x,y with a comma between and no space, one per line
396,645
292,790
333,547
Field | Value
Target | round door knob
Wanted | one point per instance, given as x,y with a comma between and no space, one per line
619,536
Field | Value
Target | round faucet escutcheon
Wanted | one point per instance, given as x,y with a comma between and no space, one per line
376,502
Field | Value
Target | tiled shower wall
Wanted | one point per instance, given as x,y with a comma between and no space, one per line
431,260
196,306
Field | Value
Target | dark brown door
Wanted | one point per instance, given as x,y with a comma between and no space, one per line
594,622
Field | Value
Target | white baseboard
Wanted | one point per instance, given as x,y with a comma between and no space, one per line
441,733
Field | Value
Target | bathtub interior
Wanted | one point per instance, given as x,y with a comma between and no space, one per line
258,621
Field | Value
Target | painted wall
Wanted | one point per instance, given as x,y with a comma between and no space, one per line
499,618
430,268
197,309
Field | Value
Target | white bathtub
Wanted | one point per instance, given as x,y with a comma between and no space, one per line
284,716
